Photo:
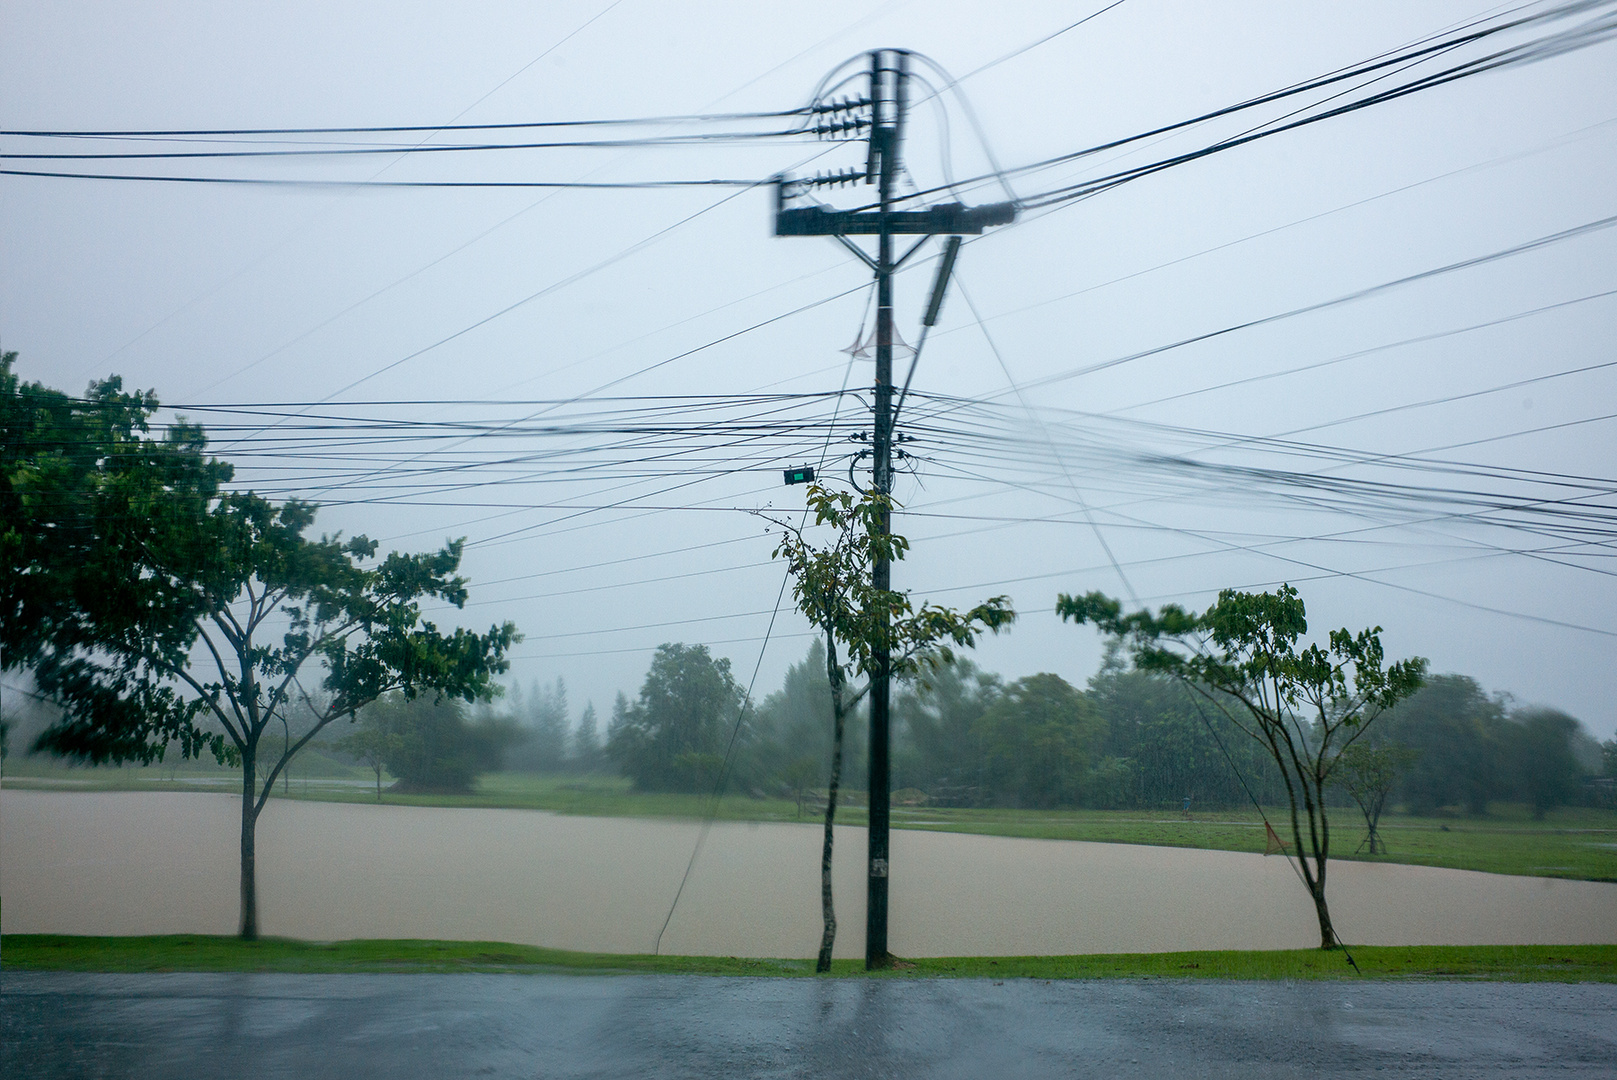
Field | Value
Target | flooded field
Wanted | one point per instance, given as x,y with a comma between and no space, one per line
148,863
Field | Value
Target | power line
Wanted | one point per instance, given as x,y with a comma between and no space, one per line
1033,44
394,129
1563,235
248,181
401,150
1541,48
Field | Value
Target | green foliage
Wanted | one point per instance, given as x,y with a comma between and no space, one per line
1475,749
1458,733
157,609
1303,705
428,743
1547,773
1368,772
832,585
937,750
85,497
1037,741
1164,745
674,736
541,717
264,601
881,635
789,734
372,743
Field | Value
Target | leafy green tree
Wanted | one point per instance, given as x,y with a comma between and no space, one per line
1164,746
792,726
278,620
85,497
1037,740
833,587
1368,772
374,741
1458,732
1546,771
938,750
1305,706
674,736
801,776
431,745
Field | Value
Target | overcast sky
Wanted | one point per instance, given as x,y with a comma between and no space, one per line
460,305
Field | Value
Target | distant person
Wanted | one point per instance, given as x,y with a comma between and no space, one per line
1185,809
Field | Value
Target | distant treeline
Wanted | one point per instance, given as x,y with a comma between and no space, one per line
966,737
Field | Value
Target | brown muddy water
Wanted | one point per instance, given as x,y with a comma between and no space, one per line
157,863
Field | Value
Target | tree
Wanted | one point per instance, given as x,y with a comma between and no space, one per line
790,744
939,753
799,775
85,497
673,738
431,746
1037,740
832,586
1547,772
1304,706
549,721
587,740
1368,772
1459,732
541,719
1162,746
269,609
374,742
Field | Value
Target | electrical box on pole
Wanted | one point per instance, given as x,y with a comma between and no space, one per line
880,115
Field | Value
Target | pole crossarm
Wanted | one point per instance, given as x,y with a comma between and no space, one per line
945,219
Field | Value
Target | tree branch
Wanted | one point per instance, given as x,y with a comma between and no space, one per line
288,754
224,674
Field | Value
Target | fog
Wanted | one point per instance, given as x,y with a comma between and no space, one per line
215,294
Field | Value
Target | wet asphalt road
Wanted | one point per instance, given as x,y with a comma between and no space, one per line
354,1026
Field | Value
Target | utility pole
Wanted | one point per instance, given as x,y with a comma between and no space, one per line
888,137
886,103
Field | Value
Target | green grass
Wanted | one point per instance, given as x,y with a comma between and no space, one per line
1512,963
1576,843
1572,842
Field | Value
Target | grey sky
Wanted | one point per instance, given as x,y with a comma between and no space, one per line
213,294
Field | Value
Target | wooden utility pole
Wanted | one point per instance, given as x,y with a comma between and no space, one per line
887,103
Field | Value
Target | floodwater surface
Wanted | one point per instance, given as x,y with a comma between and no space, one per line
162,863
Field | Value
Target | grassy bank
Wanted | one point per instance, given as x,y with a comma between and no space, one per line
1512,963
1570,843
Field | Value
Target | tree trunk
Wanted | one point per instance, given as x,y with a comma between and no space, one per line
1320,844
249,820
829,936
1327,933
